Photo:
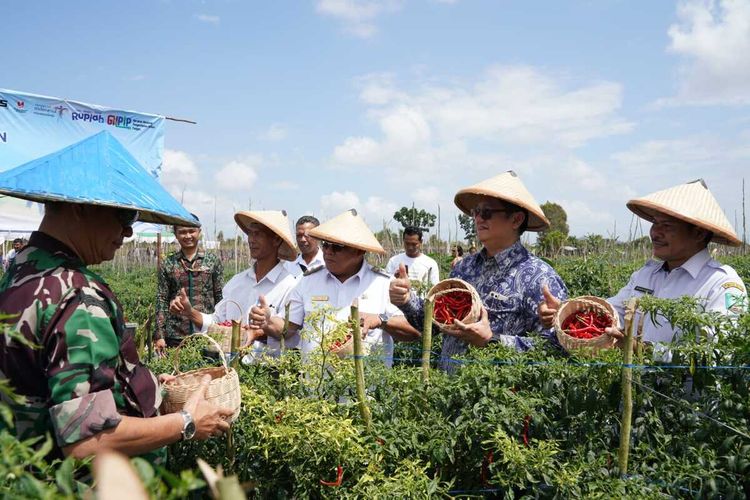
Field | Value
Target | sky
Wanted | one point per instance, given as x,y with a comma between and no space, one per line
318,106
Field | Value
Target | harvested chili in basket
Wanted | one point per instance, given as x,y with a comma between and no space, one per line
336,345
452,306
586,324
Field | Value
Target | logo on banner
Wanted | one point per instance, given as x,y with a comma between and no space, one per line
60,111
3,103
20,107
119,121
87,117
4,137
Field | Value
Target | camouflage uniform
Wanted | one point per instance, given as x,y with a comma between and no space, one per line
84,372
202,279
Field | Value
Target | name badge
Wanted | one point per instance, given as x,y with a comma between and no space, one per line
643,289
319,298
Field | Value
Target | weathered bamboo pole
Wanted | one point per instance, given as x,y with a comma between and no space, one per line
429,306
627,389
359,367
234,359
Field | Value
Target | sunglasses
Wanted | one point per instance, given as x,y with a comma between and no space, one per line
126,217
333,247
486,213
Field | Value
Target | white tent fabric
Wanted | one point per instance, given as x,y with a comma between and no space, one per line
19,216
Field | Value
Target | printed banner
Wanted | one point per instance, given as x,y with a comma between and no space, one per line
32,126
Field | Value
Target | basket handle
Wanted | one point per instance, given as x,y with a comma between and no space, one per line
199,334
230,301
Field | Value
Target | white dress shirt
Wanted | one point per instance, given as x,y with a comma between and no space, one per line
245,290
717,287
321,288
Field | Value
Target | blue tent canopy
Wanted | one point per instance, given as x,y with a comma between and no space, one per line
98,171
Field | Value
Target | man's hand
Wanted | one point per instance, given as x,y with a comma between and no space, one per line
367,322
547,308
210,420
160,346
399,290
259,314
477,334
165,377
180,305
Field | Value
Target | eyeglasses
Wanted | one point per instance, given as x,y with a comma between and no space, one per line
333,247
486,213
127,217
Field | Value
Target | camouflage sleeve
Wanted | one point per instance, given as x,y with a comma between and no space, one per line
83,417
162,303
218,279
82,358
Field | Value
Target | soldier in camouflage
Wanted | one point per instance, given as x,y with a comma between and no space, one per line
68,353
199,273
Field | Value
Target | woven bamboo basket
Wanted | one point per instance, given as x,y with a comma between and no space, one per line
585,303
223,390
458,285
223,336
347,348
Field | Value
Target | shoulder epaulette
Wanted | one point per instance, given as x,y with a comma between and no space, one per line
381,271
312,270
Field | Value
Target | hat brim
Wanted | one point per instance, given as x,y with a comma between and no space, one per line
647,210
143,214
287,250
468,198
325,236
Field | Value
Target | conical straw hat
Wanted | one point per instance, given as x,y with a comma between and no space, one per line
276,221
507,187
691,202
348,229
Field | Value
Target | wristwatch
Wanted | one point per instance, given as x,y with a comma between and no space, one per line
383,320
188,427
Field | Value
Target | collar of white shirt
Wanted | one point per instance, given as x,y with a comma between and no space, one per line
693,265
359,276
272,275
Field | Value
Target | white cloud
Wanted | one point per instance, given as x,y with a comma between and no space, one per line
375,210
137,78
427,196
336,202
443,129
209,19
358,17
713,37
178,169
276,132
236,176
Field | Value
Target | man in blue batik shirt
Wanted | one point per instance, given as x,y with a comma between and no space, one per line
508,278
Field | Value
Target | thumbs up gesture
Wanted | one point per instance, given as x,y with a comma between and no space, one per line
180,305
259,314
547,307
399,290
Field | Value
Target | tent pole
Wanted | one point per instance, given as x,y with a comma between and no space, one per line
158,252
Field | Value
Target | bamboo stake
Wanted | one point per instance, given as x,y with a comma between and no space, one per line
359,368
627,389
282,340
429,305
234,359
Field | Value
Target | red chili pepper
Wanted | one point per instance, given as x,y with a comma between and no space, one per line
525,434
339,478
489,459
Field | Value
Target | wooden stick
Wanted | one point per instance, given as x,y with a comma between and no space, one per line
627,389
359,368
429,306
